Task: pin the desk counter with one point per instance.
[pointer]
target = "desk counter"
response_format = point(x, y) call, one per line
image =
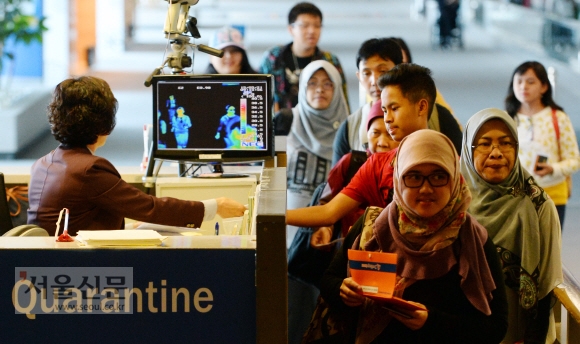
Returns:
point(170, 242)
point(17, 174)
point(214, 289)
point(165, 294)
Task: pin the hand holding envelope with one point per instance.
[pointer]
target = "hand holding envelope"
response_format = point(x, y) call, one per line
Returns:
point(374, 276)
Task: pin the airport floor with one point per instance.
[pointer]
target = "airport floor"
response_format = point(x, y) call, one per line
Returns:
point(470, 79)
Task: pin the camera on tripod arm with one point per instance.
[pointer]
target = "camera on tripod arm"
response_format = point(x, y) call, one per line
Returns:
point(177, 23)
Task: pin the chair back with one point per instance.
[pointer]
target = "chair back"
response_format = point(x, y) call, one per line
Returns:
point(26, 230)
point(5, 218)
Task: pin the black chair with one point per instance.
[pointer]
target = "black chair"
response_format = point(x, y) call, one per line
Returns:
point(5, 219)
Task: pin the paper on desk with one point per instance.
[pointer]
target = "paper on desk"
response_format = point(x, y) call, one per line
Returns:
point(170, 229)
point(137, 237)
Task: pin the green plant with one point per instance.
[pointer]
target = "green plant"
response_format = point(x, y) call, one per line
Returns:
point(16, 24)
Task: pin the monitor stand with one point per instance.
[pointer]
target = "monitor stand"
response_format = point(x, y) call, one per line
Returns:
point(217, 171)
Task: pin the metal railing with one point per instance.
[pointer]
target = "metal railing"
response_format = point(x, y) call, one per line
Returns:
point(568, 293)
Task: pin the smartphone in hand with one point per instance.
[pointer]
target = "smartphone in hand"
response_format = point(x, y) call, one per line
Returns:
point(540, 159)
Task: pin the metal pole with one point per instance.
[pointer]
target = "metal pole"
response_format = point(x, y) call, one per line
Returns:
point(552, 78)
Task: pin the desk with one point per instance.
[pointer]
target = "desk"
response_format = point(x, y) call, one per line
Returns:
point(248, 283)
point(222, 275)
point(130, 174)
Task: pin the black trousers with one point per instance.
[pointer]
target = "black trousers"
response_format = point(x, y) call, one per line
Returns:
point(447, 20)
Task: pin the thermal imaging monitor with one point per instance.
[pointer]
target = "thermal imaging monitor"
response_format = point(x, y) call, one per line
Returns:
point(213, 118)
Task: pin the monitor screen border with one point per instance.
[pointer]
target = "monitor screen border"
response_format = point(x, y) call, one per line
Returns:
point(216, 156)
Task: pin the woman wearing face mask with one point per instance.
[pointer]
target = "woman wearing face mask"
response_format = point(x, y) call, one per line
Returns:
point(520, 219)
point(547, 142)
point(445, 259)
point(235, 59)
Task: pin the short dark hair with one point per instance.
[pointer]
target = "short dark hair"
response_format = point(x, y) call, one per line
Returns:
point(386, 48)
point(512, 104)
point(414, 81)
point(81, 109)
point(303, 8)
point(404, 47)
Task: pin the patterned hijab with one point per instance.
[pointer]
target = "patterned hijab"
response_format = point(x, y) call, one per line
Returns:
point(315, 129)
point(430, 147)
point(508, 210)
point(424, 245)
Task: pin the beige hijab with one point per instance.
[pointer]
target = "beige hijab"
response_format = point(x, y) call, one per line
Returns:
point(425, 246)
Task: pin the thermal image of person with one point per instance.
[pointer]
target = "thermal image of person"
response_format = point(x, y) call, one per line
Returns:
point(180, 127)
point(171, 105)
point(162, 138)
point(227, 127)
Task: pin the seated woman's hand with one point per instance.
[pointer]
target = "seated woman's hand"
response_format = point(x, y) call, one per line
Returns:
point(320, 238)
point(350, 293)
point(417, 320)
point(227, 207)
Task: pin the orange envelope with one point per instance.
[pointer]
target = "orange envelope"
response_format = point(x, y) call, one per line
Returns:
point(376, 272)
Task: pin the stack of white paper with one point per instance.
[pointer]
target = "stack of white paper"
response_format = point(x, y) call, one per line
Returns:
point(168, 229)
point(137, 237)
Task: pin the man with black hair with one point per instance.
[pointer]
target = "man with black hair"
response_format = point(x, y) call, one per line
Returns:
point(375, 57)
point(286, 62)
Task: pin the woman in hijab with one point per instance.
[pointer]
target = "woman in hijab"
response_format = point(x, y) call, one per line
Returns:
point(520, 218)
point(314, 120)
point(320, 110)
point(445, 260)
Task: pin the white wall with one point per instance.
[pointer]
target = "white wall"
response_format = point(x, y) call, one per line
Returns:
point(55, 46)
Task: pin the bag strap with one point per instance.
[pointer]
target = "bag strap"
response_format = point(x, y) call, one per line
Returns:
point(557, 130)
point(17, 193)
point(357, 159)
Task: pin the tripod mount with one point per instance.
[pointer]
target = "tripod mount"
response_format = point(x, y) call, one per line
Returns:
point(177, 24)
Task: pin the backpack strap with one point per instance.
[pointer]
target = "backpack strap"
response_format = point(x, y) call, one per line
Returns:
point(357, 159)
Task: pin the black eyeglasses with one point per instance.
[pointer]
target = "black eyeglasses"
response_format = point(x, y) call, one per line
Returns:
point(415, 180)
point(487, 147)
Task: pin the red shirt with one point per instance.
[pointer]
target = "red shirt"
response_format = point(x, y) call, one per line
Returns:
point(373, 182)
point(336, 181)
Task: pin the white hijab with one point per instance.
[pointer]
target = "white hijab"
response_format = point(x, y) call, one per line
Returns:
point(316, 129)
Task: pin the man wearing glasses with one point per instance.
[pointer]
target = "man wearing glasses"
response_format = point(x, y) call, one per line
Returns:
point(286, 62)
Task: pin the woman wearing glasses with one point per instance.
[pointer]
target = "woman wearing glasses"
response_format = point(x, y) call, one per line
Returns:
point(445, 259)
point(311, 126)
point(520, 218)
